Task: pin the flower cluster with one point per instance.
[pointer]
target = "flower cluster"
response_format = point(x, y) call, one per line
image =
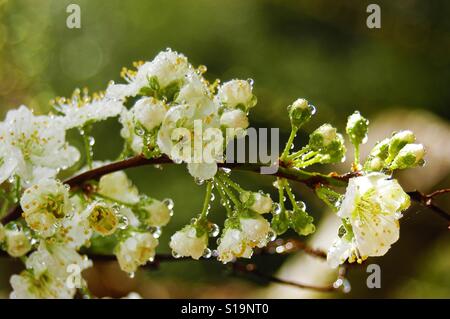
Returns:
point(177, 112)
point(169, 110)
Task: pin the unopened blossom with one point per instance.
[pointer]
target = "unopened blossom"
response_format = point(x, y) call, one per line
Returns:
point(17, 242)
point(300, 112)
point(33, 147)
point(372, 205)
point(239, 240)
point(357, 128)
point(134, 141)
point(233, 245)
point(119, 187)
point(236, 93)
point(236, 119)
point(156, 213)
point(257, 202)
point(189, 242)
point(135, 251)
point(149, 112)
point(410, 155)
point(398, 141)
point(44, 204)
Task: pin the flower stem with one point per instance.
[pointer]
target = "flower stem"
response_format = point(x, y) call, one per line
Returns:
point(229, 193)
point(289, 143)
point(298, 153)
point(85, 134)
point(224, 199)
point(231, 183)
point(206, 203)
point(281, 192)
point(291, 195)
point(355, 166)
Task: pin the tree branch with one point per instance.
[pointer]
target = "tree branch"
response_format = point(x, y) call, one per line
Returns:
point(309, 179)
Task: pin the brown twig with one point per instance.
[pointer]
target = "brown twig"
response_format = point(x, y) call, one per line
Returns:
point(309, 179)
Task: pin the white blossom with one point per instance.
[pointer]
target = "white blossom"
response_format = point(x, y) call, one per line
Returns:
point(157, 213)
point(257, 202)
point(44, 204)
point(167, 67)
point(233, 93)
point(253, 232)
point(236, 119)
point(117, 186)
point(80, 110)
point(28, 286)
point(149, 112)
point(17, 242)
point(373, 204)
point(189, 243)
point(34, 145)
point(135, 251)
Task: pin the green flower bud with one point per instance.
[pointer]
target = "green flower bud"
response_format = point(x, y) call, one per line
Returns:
point(300, 112)
point(328, 143)
point(280, 222)
point(411, 155)
point(302, 222)
point(357, 128)
point(377, 156)
point(398, 140)
point(257, 202)
point(17, 241)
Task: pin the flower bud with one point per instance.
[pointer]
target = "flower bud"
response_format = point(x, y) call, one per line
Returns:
point(234, 119)
point(397, 141)
point(156, 213)
point(17, 242)
point(236, 94)
point(410, 155)
point(280, 222)
point(300, 112)
point(260, 203)
point(302, 223)
point(190, 241)
point(357, 128)
point(135, 251)
point(103, 218)
point(328, 143)
point(149, 112)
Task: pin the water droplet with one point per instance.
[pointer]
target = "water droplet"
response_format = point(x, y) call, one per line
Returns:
point(131, 275)
point(214, 230)
point(199, 181)
point(313, 109)
point(175, 254)
point(271, 236)
point(226, 170)
point(277, 209)
point(213, 197)
point(250, 81)
point(156, 231)
point(91, 141)
point(301, 205)
point(168, 202)
point(207, 253)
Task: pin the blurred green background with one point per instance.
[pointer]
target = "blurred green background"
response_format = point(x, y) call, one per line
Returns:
point(320, 50)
